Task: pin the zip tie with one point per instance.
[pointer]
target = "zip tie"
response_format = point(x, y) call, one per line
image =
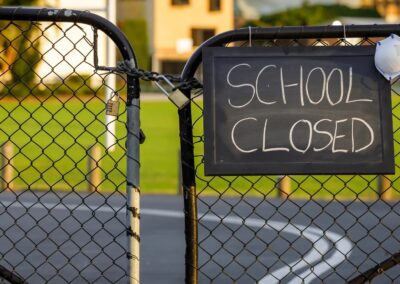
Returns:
point(131, 233)
point(250, 36)
point(131, 256)
point(344, 32)
point(134, 211)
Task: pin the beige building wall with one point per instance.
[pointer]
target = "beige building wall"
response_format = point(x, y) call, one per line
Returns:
point(367, 3)
point(391, 12)
point(172, 25)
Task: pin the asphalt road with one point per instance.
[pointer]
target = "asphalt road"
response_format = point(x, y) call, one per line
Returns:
point(67, 242)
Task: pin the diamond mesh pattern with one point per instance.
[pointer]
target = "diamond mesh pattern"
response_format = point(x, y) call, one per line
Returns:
point(62, 188)
point(328, 228)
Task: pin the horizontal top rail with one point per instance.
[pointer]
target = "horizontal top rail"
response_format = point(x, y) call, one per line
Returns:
point(288, 32)
point(73, 16)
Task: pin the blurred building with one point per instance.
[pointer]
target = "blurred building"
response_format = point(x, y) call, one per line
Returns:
point(164, 32)
point(253, 9)
point(65, 46)
point(389, 9)
point(177, 27)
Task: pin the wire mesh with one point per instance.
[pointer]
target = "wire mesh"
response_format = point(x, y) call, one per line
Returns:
point(62, 186)
point(311, 229)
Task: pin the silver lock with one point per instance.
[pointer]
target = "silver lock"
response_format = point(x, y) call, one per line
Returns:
point(176, 97)
point(112, 106)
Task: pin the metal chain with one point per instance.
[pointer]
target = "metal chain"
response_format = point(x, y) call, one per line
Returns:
point(180, 84)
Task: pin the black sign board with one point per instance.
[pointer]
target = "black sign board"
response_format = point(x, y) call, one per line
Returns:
point(296, 110)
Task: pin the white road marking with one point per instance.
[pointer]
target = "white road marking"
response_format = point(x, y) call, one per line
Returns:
point(60, 206)
point(316, 236)
point(320, 247)
point(343, 247)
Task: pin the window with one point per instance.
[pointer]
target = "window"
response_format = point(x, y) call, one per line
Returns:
point(215, 5)
point(172, 67)
point(180, 2)
point(201, 35)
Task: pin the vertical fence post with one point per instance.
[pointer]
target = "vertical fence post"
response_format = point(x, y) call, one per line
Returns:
point(110, 80)
point(7, 150)
point(94, 156)
point(179, 189)
point(284, 186)
point(385, 190)
point(189, 193)
point(133, 179)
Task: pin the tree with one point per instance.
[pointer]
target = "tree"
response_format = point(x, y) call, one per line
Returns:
point(19, 52)
point(311, 15)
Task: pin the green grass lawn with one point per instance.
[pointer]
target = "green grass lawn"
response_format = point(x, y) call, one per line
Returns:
point(51, 138)
point(160, 152)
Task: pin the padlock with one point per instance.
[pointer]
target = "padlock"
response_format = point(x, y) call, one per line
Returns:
point(113, 106)
point(175, 96)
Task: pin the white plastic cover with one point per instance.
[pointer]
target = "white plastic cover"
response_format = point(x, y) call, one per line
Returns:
point(387, 57)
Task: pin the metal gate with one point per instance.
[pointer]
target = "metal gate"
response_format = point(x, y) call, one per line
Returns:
point(267, 229)
point(69, 173)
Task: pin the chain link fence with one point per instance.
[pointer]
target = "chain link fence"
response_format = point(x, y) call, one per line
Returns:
point(63, 161)
point(289, 229)
point(63, 172)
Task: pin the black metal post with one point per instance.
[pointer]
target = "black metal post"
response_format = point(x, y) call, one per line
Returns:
point(189, 193)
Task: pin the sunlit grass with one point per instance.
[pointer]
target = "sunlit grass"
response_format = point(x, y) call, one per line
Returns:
point(52, 136)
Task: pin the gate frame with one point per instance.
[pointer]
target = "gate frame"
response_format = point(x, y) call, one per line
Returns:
point(132, 108)
point(185, 114)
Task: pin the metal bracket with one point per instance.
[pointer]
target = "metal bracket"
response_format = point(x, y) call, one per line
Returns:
point(134, 211)
point(96, 56)
point(131, 233)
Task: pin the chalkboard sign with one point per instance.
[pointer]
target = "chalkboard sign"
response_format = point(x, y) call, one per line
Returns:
point(296, 110)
